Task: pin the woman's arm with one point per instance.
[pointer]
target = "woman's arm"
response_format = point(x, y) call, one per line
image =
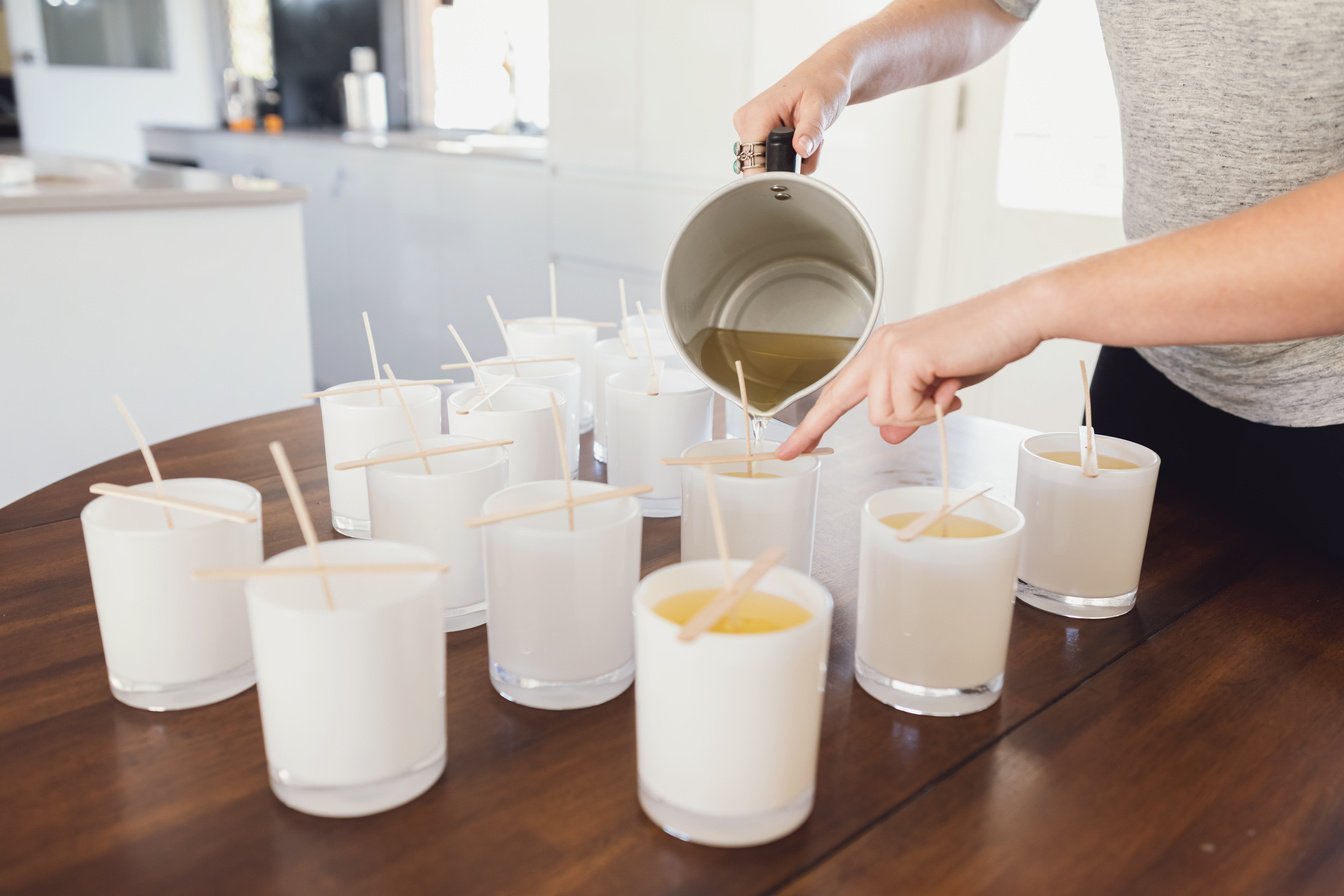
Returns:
point(1269, 273)
point(908, 43)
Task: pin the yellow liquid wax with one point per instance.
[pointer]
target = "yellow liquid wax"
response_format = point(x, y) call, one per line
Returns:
point(954, 526)
point(775, 365)
point(756, 613)
point(743, 474)
point(1075, 459)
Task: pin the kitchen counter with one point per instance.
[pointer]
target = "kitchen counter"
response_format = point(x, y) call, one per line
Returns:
point(170, 143)
point(65, 185)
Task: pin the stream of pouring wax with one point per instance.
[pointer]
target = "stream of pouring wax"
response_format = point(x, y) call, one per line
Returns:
point(776, 366)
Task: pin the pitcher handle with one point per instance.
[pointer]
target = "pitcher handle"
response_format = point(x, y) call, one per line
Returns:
point(779, 152)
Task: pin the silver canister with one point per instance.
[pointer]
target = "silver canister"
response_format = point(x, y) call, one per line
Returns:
point(776, 252)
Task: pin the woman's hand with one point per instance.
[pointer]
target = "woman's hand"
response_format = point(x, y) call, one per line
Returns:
point(808, 99)
point(907, 368)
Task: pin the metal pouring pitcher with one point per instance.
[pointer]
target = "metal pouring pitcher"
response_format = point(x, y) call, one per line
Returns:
point(774, 253)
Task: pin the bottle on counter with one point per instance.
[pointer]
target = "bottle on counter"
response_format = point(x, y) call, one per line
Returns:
point(365, 93)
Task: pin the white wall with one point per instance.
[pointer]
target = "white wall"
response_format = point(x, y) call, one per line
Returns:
point(97, 111)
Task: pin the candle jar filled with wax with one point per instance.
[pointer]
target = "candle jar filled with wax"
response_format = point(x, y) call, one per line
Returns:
point(544, 337)
point(171, 641)
point(610, 357)
point(558, 599)
point(645, 428)
point(1083, 549)
point(429, 508)
point(355, 423)
point(764, 503)
point(519, 413)
point(728, 724)
point(561, 376)
point(934, 612)
point(351, 691)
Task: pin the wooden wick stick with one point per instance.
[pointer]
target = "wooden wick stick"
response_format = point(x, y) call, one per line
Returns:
point(555, 304)
point(920, 524)
point(720, 532)
point(564, 458)
point(373, 355)
point(130, 494)
point(648, 343)
point(713, 459)
point(1088, 444)
point(620, 326)
point(549, 506)
point(495, 362)
point(504, 334)
point(355, 390)
point(412, 455)
point(486, 396)
point(301, 513)
point(410, 421)
point(338, 569)
point(742, 391)
point(146, 454)
point(942, 448)
point(722, 604)
point(471, 362)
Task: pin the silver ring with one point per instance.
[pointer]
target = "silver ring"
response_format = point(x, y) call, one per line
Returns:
point(748, 155)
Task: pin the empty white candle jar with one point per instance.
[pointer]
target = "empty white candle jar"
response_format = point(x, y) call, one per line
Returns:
point(728, 725)
point(558, 601)
point(352, 694)
point(1083, 549)
point(517, 412)
point(645, 428)
point(542, 337)
point(356, 423)
point(779, 510)
point(609, 356)
point(170, 641)
point(561, 376)
point(414, 507)
point(935, 613)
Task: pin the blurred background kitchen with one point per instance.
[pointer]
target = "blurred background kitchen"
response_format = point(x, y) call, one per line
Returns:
point(200, 196)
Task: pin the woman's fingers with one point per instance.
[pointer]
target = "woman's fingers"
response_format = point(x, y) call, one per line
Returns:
point(844, 392)
point(808, 131)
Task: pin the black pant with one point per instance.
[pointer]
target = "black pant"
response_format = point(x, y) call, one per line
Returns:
point(1286, 479)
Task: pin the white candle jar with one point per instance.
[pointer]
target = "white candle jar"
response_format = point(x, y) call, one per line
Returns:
point(517, 412)
point(356, 423)
point(934, 613)
point(728, 725)
point(539, 337)
point(609, 357)
point(1083, 549)
point(561, 376)
point(558, 601)
point(429, 509)
point(170, 641)
point(352, 696)
point(758, 514)
point(646, 428)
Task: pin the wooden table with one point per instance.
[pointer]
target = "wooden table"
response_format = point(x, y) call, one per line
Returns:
point(1194, 745)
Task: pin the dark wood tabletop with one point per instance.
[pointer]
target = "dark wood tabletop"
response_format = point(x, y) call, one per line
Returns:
point(1195, 745)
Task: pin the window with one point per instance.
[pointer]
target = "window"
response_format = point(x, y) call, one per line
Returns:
point(121, 33)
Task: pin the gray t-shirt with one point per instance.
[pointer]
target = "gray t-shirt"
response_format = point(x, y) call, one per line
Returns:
point(1223, 106)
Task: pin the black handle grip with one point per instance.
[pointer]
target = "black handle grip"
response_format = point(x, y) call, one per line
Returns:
point(779, 151)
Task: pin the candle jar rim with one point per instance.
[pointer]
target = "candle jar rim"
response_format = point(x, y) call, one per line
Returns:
point(629, 508)
point(799, 466)
point(415, 393)
point(532, 370)
point(95, 514)
point(489, 458)
point(615, 347)
point(400, 588)
point(934, 496)
point(539, 320)
point(637, 381)
point(1068, 441)
point(459, 398)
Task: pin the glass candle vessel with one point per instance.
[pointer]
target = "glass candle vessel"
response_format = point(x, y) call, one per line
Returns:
point(561, 376)
point(934, 613)
point(558, 601)
point(352, 696)
point(170, 641)
point(540, 337)
point(1083, 548)
point(517, 412)
point(355, 424)
point(609, 357)
point(728, 725)
point(777, 508)
point(428, 509)
point(645, 428)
